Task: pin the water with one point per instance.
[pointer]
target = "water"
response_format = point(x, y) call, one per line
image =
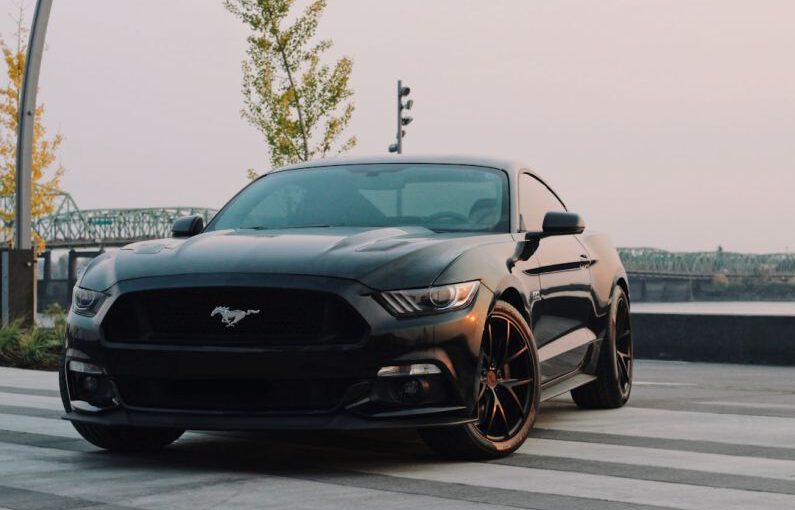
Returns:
point(777, 308)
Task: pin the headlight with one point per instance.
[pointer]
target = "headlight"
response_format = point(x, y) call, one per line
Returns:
point(86, 302)
point(431, 300)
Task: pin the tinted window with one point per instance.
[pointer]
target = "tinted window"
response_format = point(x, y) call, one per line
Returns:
point(535, 200)
point(439, 197)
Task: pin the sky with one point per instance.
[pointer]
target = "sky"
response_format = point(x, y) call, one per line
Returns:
point(665, 123)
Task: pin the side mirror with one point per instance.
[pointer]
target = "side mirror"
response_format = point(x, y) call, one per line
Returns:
point(187, 226)
point(562, 223)
point(555, 224)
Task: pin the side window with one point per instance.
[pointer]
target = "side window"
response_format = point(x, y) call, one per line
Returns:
point(535, 200)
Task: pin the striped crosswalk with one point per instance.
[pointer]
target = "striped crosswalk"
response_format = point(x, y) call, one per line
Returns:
point(685, 442)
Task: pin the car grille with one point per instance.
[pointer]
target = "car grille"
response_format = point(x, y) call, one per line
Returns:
point(183, 317)
point(233, 395)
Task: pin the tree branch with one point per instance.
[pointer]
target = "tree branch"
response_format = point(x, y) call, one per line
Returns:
point(297, 102)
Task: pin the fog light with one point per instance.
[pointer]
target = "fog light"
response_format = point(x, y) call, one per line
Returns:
point(89, 384)
point(414, 369)
point(411, 389)
point(84, 368)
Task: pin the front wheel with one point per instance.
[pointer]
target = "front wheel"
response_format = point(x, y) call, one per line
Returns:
point(508, 393)
point(125, 439)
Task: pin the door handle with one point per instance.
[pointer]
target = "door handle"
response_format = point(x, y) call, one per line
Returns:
point(585, 260)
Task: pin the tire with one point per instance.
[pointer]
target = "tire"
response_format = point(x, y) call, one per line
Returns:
point(613, 383)
point(127, 439)
point(122, 439)
point(508, 395)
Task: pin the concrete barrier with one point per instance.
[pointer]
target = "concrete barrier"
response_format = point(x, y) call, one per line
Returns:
point(752, 339)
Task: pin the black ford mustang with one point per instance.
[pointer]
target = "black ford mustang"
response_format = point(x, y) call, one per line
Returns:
point(449, 295)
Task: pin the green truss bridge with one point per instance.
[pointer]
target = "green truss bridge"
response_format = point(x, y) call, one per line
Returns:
point(70, 227)
point(654, 262)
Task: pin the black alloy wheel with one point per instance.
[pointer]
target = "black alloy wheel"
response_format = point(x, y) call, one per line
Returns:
point(614, 367)
point(624, 348)
point(506, 379)
point(507, 394)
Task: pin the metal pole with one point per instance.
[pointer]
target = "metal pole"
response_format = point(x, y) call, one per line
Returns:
point(27, 118)
point(399, 122)
point(19, 271)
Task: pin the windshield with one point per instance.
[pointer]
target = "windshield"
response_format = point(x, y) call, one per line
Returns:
point(439, 197)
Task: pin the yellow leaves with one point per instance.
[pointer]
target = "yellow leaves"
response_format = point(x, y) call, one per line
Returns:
point(15, 63)
point(45, 175)
point(316, 7)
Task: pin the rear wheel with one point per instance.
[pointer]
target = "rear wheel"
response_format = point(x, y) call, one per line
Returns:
point(508, 393)
point(126, 439)
point(613, 382)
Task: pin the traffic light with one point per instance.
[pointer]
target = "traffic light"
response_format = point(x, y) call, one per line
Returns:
point(402, 93)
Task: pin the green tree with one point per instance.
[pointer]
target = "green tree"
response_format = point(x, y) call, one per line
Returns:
point(46, 173)
point(300, 105)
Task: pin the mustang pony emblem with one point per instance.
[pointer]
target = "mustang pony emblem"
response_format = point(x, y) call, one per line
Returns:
point(231, 317)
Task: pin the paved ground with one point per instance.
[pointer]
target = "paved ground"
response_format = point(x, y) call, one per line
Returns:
point(695, 436)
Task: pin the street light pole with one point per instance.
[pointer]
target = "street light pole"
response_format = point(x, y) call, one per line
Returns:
point(27, 119)
point(19, 271)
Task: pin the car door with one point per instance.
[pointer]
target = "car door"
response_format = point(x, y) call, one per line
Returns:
point(562, 313)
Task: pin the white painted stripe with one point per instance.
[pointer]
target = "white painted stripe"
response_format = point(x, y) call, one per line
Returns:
point(706, 462)
point(34, 401)
point(659, 383)
point(627, 490)
point(770, 431)
point(276, 492)
point(749, 405)
point(51, 427)
point(28, 379)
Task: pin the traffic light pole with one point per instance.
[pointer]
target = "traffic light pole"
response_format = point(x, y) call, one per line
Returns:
point(401, 120)
point(399, 117)
point(19, 265)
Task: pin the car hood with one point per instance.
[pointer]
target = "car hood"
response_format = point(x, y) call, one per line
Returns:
point(381, 258)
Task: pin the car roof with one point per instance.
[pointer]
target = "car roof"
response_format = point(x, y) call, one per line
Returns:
point(504, 164)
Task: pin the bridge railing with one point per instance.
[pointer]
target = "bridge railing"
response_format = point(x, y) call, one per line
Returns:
point(112, 227)
point(655, 261)
point(71, 227)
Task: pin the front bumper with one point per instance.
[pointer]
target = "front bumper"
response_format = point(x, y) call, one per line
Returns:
point(450, 341)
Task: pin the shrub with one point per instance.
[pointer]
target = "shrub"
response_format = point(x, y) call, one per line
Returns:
point(34, 347)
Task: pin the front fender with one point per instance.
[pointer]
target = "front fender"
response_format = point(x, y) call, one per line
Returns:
point(496, 266)
point(487, 262)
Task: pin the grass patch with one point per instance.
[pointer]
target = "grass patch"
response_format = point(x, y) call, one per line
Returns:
point(35, 347)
